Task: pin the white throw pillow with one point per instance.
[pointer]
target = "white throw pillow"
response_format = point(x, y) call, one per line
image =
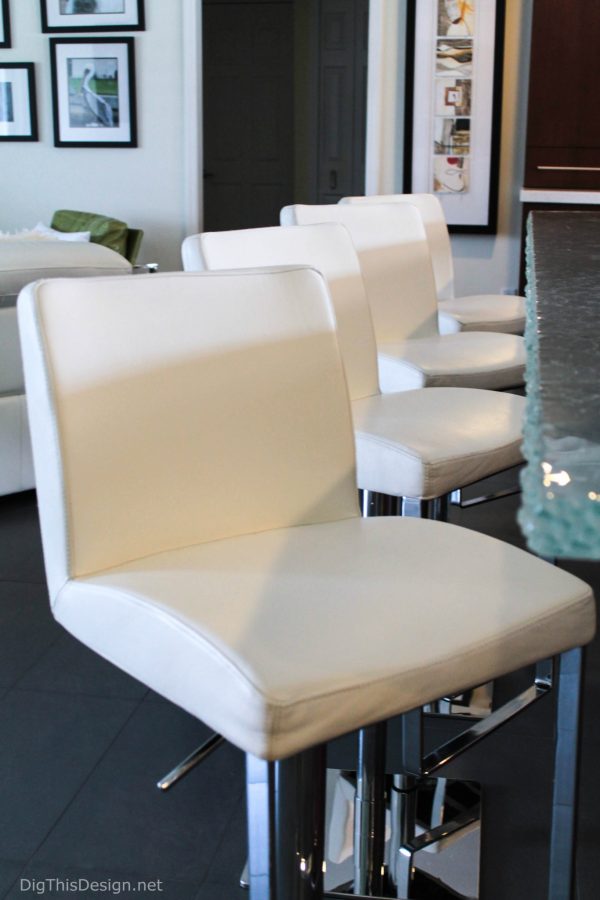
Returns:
point(44, 230)
point(26, 235)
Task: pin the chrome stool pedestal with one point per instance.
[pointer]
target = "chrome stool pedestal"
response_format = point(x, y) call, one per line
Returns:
point(286, 826)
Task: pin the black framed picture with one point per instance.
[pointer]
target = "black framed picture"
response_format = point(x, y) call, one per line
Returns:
point(93, 92)
point(4, 24)
point(453, 107)
point(92, 15)
point(18, 116)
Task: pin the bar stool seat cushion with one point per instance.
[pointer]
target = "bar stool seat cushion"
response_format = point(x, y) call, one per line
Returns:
point(240, 632)
point(496, 361)
point(487, 312)
point(426, 443)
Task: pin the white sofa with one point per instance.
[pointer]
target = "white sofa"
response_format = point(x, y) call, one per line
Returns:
point(22, 261)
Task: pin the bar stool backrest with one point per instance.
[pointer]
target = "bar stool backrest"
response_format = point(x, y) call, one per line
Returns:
point(327, 247)
point(395, 261)
point(434, 220)
point(189, 429)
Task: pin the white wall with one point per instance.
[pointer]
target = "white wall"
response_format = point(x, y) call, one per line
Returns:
point(143, 186)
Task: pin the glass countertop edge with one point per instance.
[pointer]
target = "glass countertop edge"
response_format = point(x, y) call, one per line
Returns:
point(555, 521)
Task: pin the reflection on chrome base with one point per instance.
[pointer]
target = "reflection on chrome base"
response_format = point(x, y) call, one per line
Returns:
point(431, 862)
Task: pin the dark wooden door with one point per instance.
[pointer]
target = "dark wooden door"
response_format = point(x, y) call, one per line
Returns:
point(563, 128)
point(343, 37)
point(284, 106)
point(248, 112)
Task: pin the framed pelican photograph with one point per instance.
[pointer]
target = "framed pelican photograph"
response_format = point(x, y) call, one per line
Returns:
point(92, 15)
point(453, 100)
point(93, 92)
point(4, 24)
point(18, 117)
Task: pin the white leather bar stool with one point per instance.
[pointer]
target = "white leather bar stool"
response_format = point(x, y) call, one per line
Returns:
point(396, 265)
point(474, 312)
point(194, 459)
point(417, 445)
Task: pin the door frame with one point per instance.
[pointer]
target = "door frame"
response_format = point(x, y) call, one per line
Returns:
point(385, 113)
point(385, 96)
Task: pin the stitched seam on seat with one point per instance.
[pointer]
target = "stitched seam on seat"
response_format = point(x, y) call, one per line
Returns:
point(401, 450)
point(472, 377)
point(390, 445)
point(464, 315)
point(441, 663)
point(476, 372)
point(511, 298)
point(171, 617)
point(202, 639)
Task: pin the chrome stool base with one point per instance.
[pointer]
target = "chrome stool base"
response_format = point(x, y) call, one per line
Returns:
point(286, 826)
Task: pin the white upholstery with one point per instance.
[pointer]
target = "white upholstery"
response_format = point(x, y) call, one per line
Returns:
point(212, 547)
point(288, 638)
point(413, 444)
point(478, 312)
point(25, 261)
point(212, 463)
point(486, 312)
point(426, 443)
point(396, 265)
point(395, 262)
point(327, 248)
point(22, 261)
point(472, 359)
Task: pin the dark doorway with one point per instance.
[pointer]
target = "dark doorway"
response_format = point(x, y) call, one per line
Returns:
point(248, 104)
point(284, 106)
point(342, 67)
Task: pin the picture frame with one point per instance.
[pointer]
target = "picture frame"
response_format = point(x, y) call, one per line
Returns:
point(92, 15)
point(453, 108)
point(93, 92)
point(4, 25)
point(18, 112)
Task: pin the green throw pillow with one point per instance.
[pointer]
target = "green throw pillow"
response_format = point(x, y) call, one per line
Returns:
point(110, 232)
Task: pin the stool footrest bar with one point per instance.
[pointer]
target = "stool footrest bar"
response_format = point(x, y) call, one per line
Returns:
point(190, 762)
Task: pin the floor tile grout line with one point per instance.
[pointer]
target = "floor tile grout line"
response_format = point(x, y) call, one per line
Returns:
point(234, 812)
point(61, 634)
point(11, 884)
point(22, 581)
point(80, 788)
point(46, 650)
point(89, 694)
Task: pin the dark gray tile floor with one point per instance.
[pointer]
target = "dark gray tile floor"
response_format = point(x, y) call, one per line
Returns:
point(82, 746)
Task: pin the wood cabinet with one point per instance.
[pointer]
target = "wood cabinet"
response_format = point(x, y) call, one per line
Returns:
point(563, 127)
